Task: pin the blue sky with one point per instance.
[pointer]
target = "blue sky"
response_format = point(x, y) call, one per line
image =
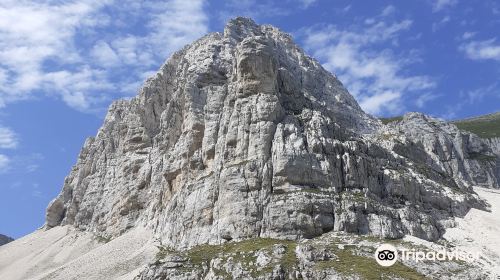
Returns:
point(63, 62)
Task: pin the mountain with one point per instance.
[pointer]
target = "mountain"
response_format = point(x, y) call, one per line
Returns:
point(4, 239)
point(244, 158)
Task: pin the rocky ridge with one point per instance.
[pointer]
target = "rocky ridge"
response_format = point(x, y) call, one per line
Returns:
point(4, 239)
point(463, 156)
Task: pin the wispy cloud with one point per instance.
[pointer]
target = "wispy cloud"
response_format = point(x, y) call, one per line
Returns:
point(438, 5)
point(4, 163)
point(475, 96)
point(372, 73)
point(482, 50)
point(8, 139)
point(307, 3)
point(471, 98)
point(467, 35)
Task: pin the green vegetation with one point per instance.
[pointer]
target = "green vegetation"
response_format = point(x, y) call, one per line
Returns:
point(487, 126)
point(244, 253)
point(102, 239)
point(163, 251)
point(482, 157)
point(304, 190)
point(351, 260)
point(349, 263)
point(393, 119)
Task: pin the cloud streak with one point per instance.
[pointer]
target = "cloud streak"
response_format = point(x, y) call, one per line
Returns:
point(4, 163)
point(374, 75)
point(438, 5)
point(482, 50)
point(8, 139)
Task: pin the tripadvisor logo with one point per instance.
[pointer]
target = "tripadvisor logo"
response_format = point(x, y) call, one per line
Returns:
point(387, 255)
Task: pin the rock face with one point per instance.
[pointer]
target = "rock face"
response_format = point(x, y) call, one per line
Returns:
point(468, 159)
point(494, 143)
point(242, 135)
point(4, 239)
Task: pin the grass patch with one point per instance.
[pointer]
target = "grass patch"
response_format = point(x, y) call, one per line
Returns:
point(349, 263)
point(485, 126)
point(163, 251)
point(393, 119)
point(243, 252)
point(103, 239)
point(482, 157)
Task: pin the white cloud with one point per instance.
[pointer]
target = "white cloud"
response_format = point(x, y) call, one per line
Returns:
point(475, 96)
point(471, 98)
point(307, 3)
point(441, 23)
point(438, 5)
point(467, 35)
point(423, 98)
point(8, 139)
point(388, 10)
point(81, 52)
point(371, 73)
point(482, 50)
point(105, 55)
point(4, 163)
point(43, 34)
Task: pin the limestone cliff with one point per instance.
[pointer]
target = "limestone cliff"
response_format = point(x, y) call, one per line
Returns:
point(242, 135)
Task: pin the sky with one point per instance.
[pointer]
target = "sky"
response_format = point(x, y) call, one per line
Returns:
point(63, 62)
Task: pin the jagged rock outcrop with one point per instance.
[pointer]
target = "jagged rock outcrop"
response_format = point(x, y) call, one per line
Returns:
point(494, 143)
point(460, 155)
point(242, 135)
point(4, 239)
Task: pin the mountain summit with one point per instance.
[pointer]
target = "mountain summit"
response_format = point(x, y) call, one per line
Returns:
point(241, 135)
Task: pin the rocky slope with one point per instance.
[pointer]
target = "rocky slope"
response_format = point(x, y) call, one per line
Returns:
point(240, 136)
point(465, 157)
point(486, 127)
point(4, 239)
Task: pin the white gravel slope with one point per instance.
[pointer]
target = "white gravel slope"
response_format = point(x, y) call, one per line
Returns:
point(65, 253)
point(479, 231)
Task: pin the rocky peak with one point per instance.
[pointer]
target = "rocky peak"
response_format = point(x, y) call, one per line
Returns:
point(4, 239)
point(242, 135)
point(240, 28)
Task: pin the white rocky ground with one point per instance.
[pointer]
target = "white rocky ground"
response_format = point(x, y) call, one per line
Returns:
point(476, 233)
point(65, 253)
point(479, 231)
